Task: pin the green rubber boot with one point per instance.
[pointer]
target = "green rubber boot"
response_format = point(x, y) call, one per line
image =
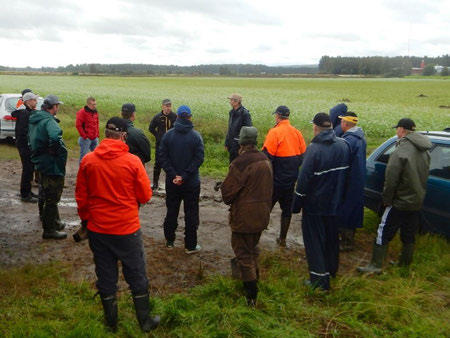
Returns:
point(376, 263)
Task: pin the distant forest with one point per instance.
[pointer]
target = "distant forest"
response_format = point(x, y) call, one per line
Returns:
point(370, 65)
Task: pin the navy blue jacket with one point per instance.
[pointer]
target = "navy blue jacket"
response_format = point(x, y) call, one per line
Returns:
point(351, 213)
point(340, 109)
point(323, 177)
point(182, 152)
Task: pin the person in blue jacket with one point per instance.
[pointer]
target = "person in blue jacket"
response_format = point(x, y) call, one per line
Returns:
point(321, 187)
point(351, 212)
point(182, 153)
point(335, 112)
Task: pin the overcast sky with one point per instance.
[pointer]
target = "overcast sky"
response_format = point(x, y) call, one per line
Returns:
point(277, 32)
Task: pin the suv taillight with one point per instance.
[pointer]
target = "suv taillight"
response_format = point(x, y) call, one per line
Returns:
point(9, 118)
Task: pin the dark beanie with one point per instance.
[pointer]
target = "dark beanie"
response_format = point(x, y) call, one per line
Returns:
point(248, 135)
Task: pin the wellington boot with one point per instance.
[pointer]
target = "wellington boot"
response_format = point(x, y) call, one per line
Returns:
point(251, 289)
point(235, 270)
point(155, 185)
point(55, 234)
point(284, 227)
point(347, 239)
point(142, 307)
point(376, 263)
point(109, 303)
point(406, 255)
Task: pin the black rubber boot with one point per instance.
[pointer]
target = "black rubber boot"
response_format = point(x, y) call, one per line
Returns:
point(59, 225)
point(376, 263)
point(347, 239)
point(142, 307)
point(156, 174)
point(109, 303)
point(252, 292)
point(407, 254)
point(49, 225)
point(284, 227)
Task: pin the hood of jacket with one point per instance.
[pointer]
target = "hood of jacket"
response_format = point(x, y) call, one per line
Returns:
point(40, 115)
point(420, 141)
point(109, 149)
point(340, 109)
point(183, 125)
point(356, 131)
point(326, 136)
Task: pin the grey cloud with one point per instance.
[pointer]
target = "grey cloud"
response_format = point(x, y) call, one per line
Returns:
point(217, 50)
point(413, 11)
point(344, 36)
point(263, 48)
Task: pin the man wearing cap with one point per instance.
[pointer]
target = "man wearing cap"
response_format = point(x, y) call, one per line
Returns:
point(87, 126)
point(321, 186)
point(159, 125)
point(111, 183)
point(19, 104)
point(284, 146)
point(22, 117)
point(49, 155)
point(136, 140)
point(403, 194)
point(182, 153)
point(248, 189)
point(239, 116)
point(351, 212)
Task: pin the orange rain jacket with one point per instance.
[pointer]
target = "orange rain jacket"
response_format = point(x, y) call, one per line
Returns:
point(284, 146)
point(110, 184)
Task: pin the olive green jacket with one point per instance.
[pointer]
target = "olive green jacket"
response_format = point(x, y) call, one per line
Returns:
point(407, 172)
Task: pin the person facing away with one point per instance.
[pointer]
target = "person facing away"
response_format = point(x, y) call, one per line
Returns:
point(404, 190)
point(111, 183)
point(159, 125)
point(22, 117)
point(239, 116)
point(136, 140)
point(321, 187)
point(284, 146)
point(337, 110)
point(248, 189)
point(182, 153)
point(49, 155)
point(87, 126)
point(351, 213)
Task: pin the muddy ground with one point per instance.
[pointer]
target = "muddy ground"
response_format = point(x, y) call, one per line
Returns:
point(169, 271)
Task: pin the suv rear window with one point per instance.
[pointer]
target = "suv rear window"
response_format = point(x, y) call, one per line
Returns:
point(10, 103)
point(440, 162)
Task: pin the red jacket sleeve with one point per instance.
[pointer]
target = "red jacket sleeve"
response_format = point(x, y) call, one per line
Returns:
point(79, 123)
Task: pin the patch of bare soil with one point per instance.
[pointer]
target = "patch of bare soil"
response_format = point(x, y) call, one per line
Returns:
point(168, 270)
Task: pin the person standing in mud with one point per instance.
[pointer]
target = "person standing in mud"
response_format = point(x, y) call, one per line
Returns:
point(111, 183)
point(182, 154)
point(87, 126)
point(49, 155)
point(160, 124)
point(248, 189)
point(22, 117)
point(239, 116)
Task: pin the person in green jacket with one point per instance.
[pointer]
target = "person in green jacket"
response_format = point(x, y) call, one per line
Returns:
point(403, 194)
point(49, 155)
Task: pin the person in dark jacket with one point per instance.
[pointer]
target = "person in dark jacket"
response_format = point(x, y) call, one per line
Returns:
point(340, 109)
point(87, 126)
point(351, 213)
point(404, 190)
point(182, 153)
point(159, 125)
point(49, 155)
point(248, 189)
point(239, 116)
point(321, 187)
point(136, 140)
point(22, 117)
point(284, 146)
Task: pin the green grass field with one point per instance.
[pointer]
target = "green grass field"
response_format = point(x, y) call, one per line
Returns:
point(380, 103)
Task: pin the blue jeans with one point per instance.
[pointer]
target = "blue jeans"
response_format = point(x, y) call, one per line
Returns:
point(86, 145)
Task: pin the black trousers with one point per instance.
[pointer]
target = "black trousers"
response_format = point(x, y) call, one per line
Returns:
point(27, 171)
point(157, 167)
point(190, 196)
point(394, 219)
point(233, 152)
point(321, 239)
point(285, 197)
point(108, 250)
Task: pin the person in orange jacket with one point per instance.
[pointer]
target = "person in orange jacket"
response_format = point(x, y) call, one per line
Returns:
point(111, 183)
point(284, 146)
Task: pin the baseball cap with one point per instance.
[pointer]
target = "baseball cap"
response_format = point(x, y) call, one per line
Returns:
point(235, 96)
point(248, 135)
point(349, 117)
point(29, 96)
point(26, 91)
point(51, 100)
point(282, 111)
point(117, 124)
point(166, 101)
point(322, 120)
point(184, 111)
point(128, 108)
point(406, 123)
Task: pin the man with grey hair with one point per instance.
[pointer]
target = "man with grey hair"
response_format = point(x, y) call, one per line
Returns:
point(239, 116)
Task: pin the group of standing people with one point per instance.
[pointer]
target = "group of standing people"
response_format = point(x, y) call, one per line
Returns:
point(325, 180)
